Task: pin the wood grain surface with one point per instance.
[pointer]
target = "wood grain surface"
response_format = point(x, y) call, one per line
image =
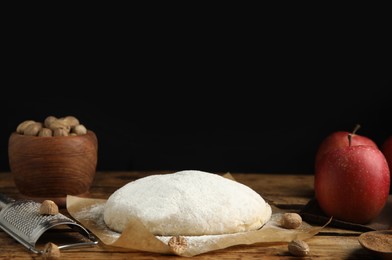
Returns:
point(289, 192)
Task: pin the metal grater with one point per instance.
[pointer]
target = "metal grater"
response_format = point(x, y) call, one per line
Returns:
point(21, 220)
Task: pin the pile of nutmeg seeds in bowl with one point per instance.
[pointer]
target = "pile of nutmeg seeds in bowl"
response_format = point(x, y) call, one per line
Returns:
point(52, 126)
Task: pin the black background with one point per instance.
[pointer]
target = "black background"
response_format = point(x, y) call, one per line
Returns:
point(264, 129)
point(232, 101)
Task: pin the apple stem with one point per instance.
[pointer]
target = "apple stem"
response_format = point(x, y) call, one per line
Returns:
point(356, 128)
point(349, 139)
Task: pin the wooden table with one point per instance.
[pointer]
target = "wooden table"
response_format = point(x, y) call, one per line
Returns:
point(290, 192)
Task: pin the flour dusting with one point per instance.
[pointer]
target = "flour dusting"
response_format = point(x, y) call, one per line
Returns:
point(94, 213)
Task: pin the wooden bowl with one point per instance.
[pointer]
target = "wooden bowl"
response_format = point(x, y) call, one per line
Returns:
point(378, 242)
point(53, 167)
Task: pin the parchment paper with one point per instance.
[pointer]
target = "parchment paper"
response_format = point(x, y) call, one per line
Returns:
point(89, 212)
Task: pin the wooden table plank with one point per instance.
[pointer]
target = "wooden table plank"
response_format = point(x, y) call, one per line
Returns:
point(287, 191)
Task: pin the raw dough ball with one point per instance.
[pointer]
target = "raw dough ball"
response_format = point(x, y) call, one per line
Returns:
point(188, 203)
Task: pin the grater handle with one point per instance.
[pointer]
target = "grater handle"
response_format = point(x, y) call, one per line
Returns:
point(5, 200)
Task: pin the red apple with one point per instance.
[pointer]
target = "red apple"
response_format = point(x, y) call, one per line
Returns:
point(387, 150)
point(339, 139)
point(352, 183)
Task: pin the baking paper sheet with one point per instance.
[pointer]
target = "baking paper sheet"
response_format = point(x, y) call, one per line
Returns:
point(89, 212)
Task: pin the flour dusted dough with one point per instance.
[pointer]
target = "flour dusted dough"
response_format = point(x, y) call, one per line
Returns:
point(188, 203)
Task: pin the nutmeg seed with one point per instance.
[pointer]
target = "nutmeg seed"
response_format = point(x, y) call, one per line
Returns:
point(178, 244)
point(298, 248)
point(79, 130)
point(48, 207)
point(22, 126)
point(48, 120)
point(71, 121)
point(51, 251)
point(45, 132)
point(52, 126)
point(291, 220)
point(59, 123)
point(60, 132)
point(32, 129)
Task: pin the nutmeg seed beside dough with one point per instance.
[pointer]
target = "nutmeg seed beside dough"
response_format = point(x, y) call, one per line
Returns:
point(178, 244)
point(291, 220)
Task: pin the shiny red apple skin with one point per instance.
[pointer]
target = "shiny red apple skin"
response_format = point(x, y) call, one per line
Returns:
point(340, 139)
point(386, 148)
point(352, 183)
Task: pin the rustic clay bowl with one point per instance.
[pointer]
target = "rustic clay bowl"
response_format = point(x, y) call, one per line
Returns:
point(53, 167)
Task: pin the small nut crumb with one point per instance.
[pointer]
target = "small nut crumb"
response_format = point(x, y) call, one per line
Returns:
point(291, 220)
point(51, 251)
point(178, 244)
point(298, 248)
point(49, 207)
